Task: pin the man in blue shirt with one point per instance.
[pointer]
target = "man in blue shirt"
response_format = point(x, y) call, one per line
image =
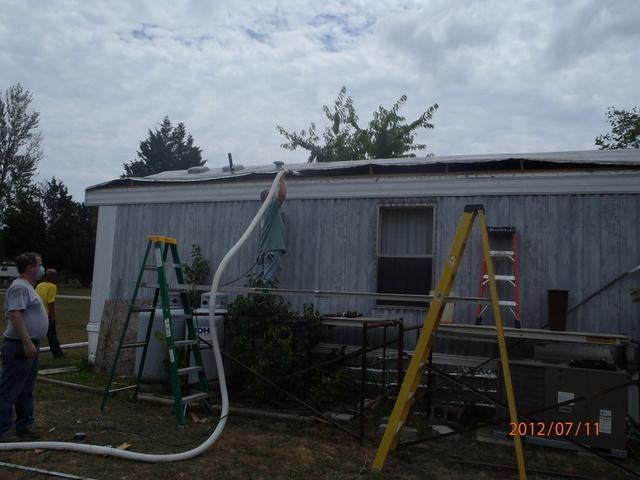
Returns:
point(27, 322)
point(272, 235)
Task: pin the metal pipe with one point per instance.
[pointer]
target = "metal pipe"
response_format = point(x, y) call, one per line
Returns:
point(333, 293)
point(363, 379)
point(146, 397)
point(42, 471)
point(66, 346)
point(430, 384)
point(373, 402)
point(384, 358)
point(400, 354)
point(604, 287)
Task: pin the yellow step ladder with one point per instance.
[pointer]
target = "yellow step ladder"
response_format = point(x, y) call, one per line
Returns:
point(423, 347)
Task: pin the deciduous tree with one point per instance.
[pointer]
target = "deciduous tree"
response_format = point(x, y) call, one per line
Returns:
point(388, 134)
point(625, 129)
point(20, 149)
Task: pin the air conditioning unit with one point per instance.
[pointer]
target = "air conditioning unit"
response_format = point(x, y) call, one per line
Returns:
point(598, 422)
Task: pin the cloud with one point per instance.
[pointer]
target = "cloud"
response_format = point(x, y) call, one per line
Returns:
point(509, 77)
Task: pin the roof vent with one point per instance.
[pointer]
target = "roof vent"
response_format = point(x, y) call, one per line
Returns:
point(198, 169)
point(227, 168)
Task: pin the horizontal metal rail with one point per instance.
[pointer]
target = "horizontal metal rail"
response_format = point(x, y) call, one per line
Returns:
point(332, 293)
point(67, 346)
point(537, 334)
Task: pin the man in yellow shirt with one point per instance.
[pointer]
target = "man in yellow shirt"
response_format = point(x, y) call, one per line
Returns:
point(47, 291)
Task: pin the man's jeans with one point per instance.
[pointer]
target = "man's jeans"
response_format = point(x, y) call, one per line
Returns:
point(52, 337)
point(269, 265)
point(16, 387)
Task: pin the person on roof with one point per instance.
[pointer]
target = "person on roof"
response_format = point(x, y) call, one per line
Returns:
point(271, 245)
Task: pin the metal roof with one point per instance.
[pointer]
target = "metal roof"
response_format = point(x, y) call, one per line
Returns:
point(458, 164)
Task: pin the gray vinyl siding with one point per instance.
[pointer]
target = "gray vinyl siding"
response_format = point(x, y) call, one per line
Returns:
point(572, 242)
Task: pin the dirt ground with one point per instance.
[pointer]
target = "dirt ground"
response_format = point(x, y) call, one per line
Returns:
point(251, 448)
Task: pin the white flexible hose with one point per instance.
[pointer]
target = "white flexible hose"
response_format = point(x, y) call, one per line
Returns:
point(173, 457)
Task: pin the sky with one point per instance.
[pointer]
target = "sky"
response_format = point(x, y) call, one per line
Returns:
point(509, 76)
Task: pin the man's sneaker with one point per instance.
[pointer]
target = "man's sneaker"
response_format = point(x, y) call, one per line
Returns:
point(28, 434)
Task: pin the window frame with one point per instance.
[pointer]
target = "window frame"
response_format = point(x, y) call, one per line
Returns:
point(399, 205)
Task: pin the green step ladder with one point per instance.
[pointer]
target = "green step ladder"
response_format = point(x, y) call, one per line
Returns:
point(161, 246)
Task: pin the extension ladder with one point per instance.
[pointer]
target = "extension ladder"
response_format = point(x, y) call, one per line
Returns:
point(420, 357)
point(161, 246)
point(511, 278)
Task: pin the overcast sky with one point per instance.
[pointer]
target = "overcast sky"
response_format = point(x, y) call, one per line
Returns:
point(509, 76)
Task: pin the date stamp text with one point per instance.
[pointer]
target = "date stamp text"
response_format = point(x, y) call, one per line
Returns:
point(558, 429)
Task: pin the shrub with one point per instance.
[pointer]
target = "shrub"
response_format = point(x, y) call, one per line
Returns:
point(264, 333)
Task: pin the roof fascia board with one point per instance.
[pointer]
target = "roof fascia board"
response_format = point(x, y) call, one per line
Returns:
point(379, 187)
point(619, 158)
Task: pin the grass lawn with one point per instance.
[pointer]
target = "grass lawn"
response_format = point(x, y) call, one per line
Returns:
point(249, 448)
point(258, 449)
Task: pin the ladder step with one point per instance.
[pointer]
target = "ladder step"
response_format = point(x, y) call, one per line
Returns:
point(188, 370)
point(184, 343)
point(507, 303)
point(157, 285)
point(133, 345)
point(508, 278)
point(150, 267)
point(128, 387)
point(195, 397)
point(502, 253)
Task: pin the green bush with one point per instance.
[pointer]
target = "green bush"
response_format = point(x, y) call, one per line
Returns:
point(196, 273)
point(264, 333)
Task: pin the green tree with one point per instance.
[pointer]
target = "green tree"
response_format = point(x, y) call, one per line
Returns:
point(388, 135)
point(19, 146)
point(85, 242)
point(166, 148)
point(625, 129)
point(24, 225)
point(70, 232)
point(60, 211)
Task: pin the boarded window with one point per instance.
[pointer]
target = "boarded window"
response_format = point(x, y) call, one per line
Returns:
point(405, 251)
